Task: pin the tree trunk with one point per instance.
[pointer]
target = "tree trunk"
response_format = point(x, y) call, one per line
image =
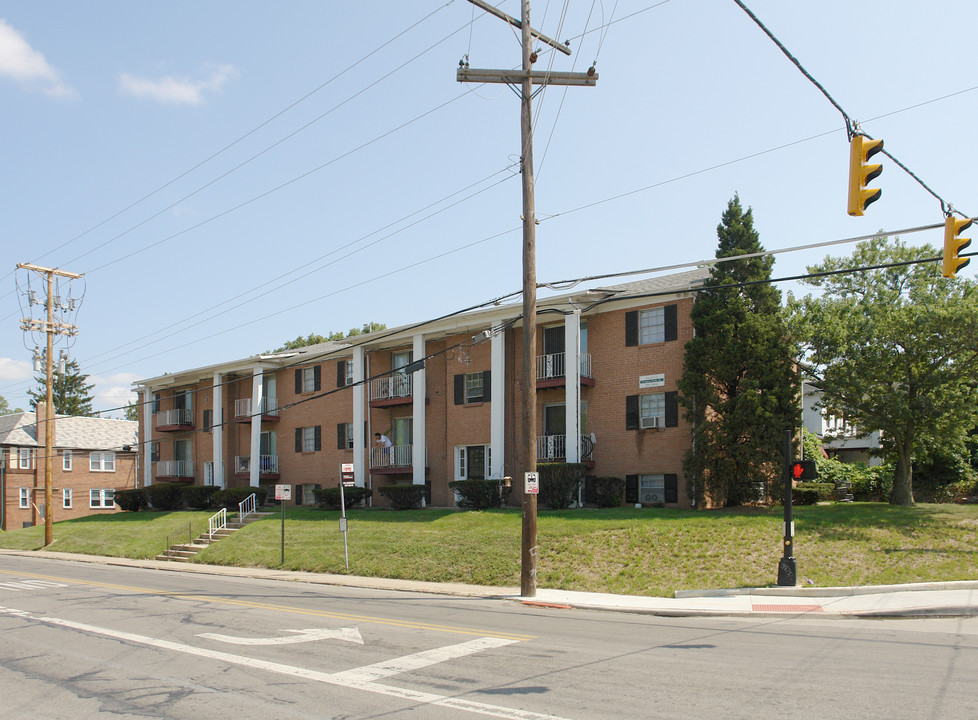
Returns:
point(903, 473)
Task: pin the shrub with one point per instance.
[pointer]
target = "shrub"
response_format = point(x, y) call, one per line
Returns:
point(872, 483)
point(165, 496)
point(329, 498)
point(604, 492)
point(200, 497)
point(404, 497)
point(131, 500)
point(480, 494)
point(560, 484)
point(956, 492)
point(804, 496)
point(823, 491)
point(229, 498)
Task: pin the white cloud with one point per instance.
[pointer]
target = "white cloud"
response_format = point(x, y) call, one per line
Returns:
point(113, 391)
point(18, 60)
point(177, 91)
point(15, 369)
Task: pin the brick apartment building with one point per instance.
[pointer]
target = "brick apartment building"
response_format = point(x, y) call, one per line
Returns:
point(94, 457)
point(608, 362)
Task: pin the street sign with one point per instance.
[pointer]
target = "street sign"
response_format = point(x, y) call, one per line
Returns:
point(531, 483)
point(346, 475)
point(283, 492)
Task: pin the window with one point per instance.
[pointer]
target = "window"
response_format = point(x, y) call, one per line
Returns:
point(208, 472)
point(66, 498)
point(651, 406)
point(24, 457)
point(652, 410)
point(308, 380)
point(652, 489)
point(472, 387)
point(344, 373)
point(102, 462)
point(307, 496)
point(66, 460)
point(154, 452)
point(653, 325)
point(25, 498)
point(344, 436)
point(101, 498)
point(156, 403)
point(208, 420)
point(308, 439)
point(473, 462)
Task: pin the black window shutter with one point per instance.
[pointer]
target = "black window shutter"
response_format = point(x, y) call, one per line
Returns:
point(486, 385)
point(631, 412)
point(319, 437)
point(631, 488)
point(672, 409)
point(669, 315)
point(672, 488)
point(341, 436)
point(298, 495)
point(298, 381)
point(341, 373)
point(631, 328)
point(317, 378)
point(208, 415)
point(460, 389)
point(298, 439)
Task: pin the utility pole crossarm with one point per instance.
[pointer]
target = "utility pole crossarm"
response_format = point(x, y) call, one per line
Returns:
point(538, 77)
point(517, 24)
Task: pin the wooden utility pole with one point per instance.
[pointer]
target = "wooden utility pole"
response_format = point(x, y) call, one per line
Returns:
point(51, 329)
point(528, 380)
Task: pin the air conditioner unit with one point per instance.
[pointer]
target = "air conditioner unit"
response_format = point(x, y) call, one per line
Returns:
point(650, 422)
point(652, 497)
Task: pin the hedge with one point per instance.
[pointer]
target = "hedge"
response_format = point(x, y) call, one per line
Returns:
point(131, 500)
point(165, 496)
point(329, 498)
point(606, 492)
point(560, 483)
point(200, 497)
point(403, 497)
point(480, 494)
point(230, 498)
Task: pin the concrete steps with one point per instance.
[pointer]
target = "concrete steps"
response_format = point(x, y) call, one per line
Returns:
point(184, 552)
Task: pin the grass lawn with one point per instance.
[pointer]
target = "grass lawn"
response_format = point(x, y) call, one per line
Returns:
point(626, 550)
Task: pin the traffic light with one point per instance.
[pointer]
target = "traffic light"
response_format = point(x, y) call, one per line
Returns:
point(953, 245)
point(803, 470)
point(861, 149)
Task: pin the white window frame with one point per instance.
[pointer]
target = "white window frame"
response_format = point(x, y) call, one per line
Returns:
point(66, 498)
point(309, 379)
point(208, 472)
point(474, 382)
point(651, 326)
point(24, 458)
point(309, 439)
point(66, 460)
point(101, 498)
point(101, 461)
point(349, 372)
point(652, 405)
point(348, 435)
point(461, 461)
point(308, 496)
point(653, 482)
point(25, 498)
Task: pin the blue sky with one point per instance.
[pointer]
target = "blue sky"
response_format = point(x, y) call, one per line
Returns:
point(230, 175)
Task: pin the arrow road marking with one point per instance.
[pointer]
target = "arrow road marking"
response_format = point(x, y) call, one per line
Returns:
point(356, 679)
point(348, 634)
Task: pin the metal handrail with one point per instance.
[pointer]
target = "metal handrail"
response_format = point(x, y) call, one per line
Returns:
point(246, 507)
point(190, 538)
point(218, 522)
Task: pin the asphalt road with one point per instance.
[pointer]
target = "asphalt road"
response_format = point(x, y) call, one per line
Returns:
point(82, 640)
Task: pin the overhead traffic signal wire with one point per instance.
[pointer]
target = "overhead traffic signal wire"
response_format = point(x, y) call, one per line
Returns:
point(851, 125)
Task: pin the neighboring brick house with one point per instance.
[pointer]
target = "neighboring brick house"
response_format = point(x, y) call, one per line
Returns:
point(608, 363)
point(94, 457)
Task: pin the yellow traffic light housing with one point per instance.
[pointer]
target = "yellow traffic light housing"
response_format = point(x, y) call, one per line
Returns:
point(861, 149)
point(953, 245)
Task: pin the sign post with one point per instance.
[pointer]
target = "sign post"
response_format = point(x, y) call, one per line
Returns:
point(346, 480)
point(283, 493)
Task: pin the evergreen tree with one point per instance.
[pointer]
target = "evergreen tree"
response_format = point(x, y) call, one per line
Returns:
point(69, 391)
point(739, 385)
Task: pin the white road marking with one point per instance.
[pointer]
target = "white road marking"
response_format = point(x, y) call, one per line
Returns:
point(29, 585)
point(356, 679)
point(348, 634)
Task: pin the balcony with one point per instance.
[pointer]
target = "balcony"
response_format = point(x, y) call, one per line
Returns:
point(174, 470)
point(393, 460)
point(552, 370)
point(267, 467)
point(553, 448)
point(394, 390)
point(174, 420)
point(267, 407)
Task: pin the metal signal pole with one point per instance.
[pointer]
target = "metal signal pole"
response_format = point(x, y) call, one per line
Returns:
point(51, 329)
point(528, 380)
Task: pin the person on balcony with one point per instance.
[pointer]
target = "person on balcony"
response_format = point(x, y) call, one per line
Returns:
point(387, 448)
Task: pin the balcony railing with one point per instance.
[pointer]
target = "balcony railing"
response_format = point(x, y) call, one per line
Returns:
point(391, 388)
point(555, 366)
point(266, 406)
point(398, 456)
point(267, 464)
point(551, 448)
point(175, 468)
point(174, 418)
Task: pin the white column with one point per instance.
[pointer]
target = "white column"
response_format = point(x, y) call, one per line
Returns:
point(572, 373)
point(217, 429)
point(419, 394)
point(148, 439)
point(359, 417)
point(497, 409)
point(254, 463)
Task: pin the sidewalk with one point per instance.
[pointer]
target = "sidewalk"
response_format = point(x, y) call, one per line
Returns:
point(947, 599)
